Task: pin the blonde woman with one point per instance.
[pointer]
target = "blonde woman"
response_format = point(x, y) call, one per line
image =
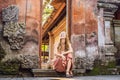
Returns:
point(63, 54)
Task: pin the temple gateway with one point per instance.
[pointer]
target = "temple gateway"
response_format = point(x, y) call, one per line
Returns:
point(29, 31)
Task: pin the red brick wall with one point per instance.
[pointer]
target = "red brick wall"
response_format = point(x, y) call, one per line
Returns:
point(84, 19)
point(84, 29)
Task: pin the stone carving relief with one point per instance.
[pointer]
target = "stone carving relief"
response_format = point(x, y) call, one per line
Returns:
point(79, 45)
point(86, 50)
point(92, 45)
point(13, 30)
point(10, 13)
point(110, 1)
point(29, 61)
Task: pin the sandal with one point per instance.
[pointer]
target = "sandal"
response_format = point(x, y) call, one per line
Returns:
point(71, 74)
point(68, 75)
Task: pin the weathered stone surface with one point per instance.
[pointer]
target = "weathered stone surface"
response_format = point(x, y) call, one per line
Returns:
point(116, 24)
point(13, 30)
point(110, 49)
point(84, 33)
point(2, 53)
point(84, 63)
point(116, 38)
point(109, 58)
point(80, 63)
point(15, 33)
point(109, 8)
point(86, 51)
point(109, 1)
point(29, 61)
point(46, 72)
point(10, 13)
point(80, 71)
point(79, 45)
point(25, 29)
point(107, 5)
point(31, 49)
point(9, 66)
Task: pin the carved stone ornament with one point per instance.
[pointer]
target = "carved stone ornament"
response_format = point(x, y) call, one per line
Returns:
point(15, 33)
point(29, 61)
point(10, 13)
point(13, 30)
point(109, 1)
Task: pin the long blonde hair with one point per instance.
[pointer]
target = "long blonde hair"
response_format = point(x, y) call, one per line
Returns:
point(66, 44)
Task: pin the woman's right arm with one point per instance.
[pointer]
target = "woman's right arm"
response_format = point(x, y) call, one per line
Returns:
point(56, 53)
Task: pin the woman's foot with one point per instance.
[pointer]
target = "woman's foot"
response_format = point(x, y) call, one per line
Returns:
point(71, 73)
point(68, 74)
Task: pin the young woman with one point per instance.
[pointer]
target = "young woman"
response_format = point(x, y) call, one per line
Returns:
point(63, 53)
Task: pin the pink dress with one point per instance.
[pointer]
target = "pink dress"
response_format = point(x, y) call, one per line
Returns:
point(60, 65)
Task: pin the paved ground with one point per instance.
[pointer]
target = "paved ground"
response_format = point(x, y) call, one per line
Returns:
point(115, 77)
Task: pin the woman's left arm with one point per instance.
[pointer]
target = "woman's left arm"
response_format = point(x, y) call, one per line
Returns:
point(69, 51)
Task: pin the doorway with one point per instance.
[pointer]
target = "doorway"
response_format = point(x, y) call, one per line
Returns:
point(53, 22)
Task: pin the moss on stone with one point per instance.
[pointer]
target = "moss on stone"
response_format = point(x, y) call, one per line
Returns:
point(101, 69)
point(111, 64)
point(96, 70)
point(9, 67)
point(2, 53)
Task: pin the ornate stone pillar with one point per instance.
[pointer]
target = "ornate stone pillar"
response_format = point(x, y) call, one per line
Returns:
point(108, 14)
point(101, 33)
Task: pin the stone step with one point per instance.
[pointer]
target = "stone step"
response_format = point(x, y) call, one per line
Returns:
point(117, 25)
point(113, 71)
point(46, 73)
point(53, 73)
point(116, 21)
point(81, 71)
point(118, 67)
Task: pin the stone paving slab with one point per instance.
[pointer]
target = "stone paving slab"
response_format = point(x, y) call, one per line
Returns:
point(110, 77)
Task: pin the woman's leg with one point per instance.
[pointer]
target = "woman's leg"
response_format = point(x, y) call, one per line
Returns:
point(69, 64)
